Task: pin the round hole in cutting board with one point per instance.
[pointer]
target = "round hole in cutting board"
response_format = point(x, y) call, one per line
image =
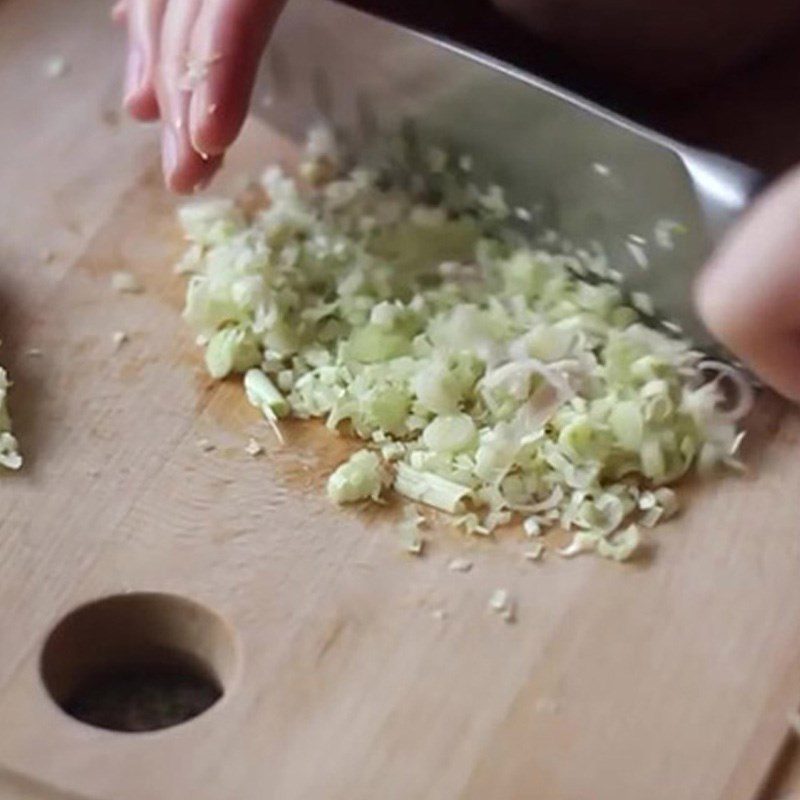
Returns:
point(138, 662)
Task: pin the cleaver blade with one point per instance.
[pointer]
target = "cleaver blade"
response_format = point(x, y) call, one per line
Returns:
point(655, 206)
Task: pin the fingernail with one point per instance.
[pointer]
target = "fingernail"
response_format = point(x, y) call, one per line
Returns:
point(169, 151)
point(134, 73)
point(198, 118)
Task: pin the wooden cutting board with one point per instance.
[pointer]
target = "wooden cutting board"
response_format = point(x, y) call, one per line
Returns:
point(350, 669)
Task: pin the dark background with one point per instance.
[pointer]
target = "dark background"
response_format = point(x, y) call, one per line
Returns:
point(752, 113)
point(478, 24)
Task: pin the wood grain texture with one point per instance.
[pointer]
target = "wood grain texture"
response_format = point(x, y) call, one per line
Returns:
point(668, 678)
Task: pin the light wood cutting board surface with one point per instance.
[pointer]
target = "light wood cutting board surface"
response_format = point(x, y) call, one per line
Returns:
point(667, 678)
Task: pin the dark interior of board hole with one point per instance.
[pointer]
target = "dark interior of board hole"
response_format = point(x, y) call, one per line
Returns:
point(138, 662)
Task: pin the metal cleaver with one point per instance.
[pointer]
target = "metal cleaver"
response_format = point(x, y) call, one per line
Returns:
point(589, 173)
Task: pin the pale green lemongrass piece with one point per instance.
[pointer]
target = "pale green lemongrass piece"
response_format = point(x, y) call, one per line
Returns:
point(9, 452)
point(263, 394)
point(429, 489)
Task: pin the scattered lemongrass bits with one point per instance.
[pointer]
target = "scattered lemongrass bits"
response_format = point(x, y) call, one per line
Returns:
point(56, 67)
point(253, 447)
point(411, 538)
point(9, 451)
point(503, 604)
point(485, 376)
point(125, 282)
point(535, 552)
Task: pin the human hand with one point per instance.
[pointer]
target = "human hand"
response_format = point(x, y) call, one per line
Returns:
point(749, 293)
point(192, 64)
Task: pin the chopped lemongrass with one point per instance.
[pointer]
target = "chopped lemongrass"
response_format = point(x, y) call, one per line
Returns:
point(9, 454)
point(523, 214)
point(638, 253)
point(667, 500)
point(534, 553)
point(665, 230)
point(621, 546)
point(429, 488)
point(459, 565)
point(647, 501)
point(651, 517)
point(411, 539)
point(503, 604)
point(123, 281)
point(532, 527)
point(471, 524)
point(253, 448)
point(392, 451)
point(404, 305)
point(581, 543)
point(119, 338)
point(206, 445)
point(498, 600)
point(359, 478)
point(413, 543)
point(450, 433)
point(547, 705)
point(642, 301)
point(231, 350)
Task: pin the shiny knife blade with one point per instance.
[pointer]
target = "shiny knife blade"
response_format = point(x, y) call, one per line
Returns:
point(587, 172)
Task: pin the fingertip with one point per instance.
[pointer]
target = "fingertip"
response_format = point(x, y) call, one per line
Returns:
point(213, 125)
point(747, 308)
point(140, 95)
point(191, 180)
point(230, 38)
point(186, 171)
point(207, 140)
point(144, 24)
point(142, 104)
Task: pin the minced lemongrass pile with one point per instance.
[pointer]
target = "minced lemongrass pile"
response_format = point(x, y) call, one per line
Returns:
point(487, 377)
point(9, 455)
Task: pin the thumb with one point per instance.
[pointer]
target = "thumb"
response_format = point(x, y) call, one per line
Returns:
point(748, 295)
